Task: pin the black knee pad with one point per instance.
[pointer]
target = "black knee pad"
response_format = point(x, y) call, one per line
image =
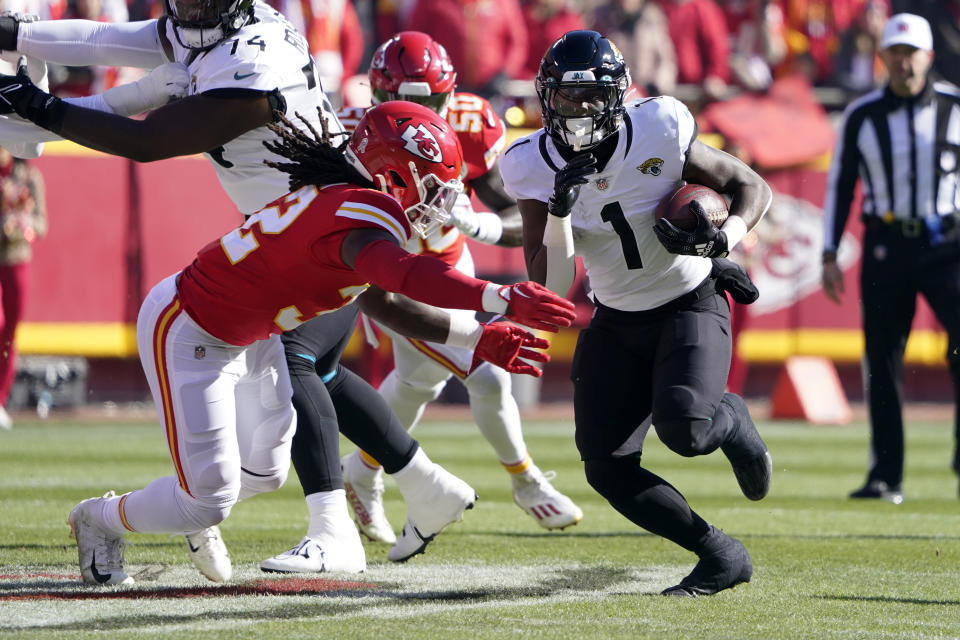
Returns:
point(686, 437)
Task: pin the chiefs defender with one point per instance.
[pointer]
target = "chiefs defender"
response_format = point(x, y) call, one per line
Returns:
point(209, 336)
point(412, 66)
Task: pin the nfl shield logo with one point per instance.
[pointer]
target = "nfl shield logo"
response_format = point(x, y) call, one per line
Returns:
point(199, 352)
point(602, 184)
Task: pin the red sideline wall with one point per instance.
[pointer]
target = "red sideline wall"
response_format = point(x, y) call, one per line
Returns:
point(118, 227)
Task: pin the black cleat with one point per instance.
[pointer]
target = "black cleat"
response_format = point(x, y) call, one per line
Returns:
point(747, 453)
point(879, 490)
point(722, 569)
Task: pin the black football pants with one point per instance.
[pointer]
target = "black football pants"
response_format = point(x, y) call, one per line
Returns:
point(330, 399)
point(894, 270)
point(668, 366)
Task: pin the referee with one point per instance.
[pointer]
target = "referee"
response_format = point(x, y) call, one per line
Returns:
point(902, 141)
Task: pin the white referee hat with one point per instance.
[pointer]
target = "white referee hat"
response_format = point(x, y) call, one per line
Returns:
point(908, 29)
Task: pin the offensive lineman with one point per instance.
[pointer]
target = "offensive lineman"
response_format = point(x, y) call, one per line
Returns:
point(658, 346)
point(207, 335)
point(245, 60)
point(412, 66)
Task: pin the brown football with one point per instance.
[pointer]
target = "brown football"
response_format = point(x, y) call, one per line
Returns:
point(676, 206)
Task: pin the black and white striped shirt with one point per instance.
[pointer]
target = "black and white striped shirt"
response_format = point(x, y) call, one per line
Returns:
point(905, 150)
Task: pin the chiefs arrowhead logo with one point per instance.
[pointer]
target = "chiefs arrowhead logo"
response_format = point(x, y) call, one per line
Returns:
point(421, 142)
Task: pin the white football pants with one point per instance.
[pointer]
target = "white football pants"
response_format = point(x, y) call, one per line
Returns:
point(227, 414)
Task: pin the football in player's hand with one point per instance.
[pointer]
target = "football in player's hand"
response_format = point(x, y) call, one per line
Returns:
point(676, 206)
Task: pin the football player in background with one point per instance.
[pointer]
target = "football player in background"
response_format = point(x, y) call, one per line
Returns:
point(208, 335)
point(658, 345)
point(412, 66)
point(244, 60)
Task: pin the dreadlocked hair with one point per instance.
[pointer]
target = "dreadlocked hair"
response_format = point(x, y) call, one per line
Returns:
point(315, 159)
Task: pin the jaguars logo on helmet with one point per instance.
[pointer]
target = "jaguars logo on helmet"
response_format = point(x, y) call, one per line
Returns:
point(581, 84)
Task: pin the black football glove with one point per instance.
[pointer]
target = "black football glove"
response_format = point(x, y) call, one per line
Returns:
point(706, 240)
point(19, 95)
point(735, 280)
point(566, 184)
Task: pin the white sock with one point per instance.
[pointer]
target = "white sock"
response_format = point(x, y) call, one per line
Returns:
point(324, 507)
point(413, 473)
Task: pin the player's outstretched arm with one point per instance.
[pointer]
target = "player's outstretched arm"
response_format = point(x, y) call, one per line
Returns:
point(165, 83)
point(408, 317)
point(375, 255)
point(498, 343)
point(185, 127)
point(82, 43)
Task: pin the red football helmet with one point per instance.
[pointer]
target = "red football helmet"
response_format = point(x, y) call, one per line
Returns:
point(410, 152)
point(413, 66)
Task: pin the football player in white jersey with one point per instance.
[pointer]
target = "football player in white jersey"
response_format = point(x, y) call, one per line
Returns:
point(413, 66)
point(246, 62)
point(658, 346)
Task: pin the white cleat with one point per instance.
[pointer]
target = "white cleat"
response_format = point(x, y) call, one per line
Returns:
point(100, 552)
point(364, 488)
point(209, 554)
point(6, 422)
point(306, 557)
point(337, 548)
point(436, 499)
point(551, 509)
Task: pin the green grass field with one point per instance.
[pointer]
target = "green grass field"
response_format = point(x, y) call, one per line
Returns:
point(825, 566)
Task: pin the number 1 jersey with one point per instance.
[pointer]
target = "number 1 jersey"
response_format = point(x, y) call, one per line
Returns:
point(627, 267)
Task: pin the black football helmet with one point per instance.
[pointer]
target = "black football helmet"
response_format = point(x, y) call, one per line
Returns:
point(200, 24)
point(581, 85)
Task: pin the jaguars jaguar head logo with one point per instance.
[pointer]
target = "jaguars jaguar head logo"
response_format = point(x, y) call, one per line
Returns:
point(651, 166)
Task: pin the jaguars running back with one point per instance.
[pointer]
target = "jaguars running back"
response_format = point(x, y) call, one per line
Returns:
point(657, 350)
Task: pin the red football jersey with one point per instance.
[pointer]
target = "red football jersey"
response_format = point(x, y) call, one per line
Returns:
point(283, 266)
point(479, 129)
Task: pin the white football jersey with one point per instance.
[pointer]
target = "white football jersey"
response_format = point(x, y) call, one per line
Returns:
point(262, 56)
point(627, 267)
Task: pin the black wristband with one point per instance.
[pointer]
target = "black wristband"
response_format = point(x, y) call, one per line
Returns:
point(9, 27)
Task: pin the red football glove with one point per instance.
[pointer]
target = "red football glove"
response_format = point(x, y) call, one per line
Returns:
point(535, 306)
point(503, 345)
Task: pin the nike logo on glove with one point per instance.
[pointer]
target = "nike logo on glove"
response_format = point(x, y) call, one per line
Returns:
point(238, 76)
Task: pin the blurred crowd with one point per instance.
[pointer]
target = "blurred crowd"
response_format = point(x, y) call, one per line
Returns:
point(716, 48)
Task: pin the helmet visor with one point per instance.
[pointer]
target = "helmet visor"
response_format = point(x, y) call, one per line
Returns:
point(436, 202)
point(582, 101)
point(195, 14)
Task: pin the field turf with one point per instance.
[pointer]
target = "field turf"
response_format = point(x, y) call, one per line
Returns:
point(825, 566)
